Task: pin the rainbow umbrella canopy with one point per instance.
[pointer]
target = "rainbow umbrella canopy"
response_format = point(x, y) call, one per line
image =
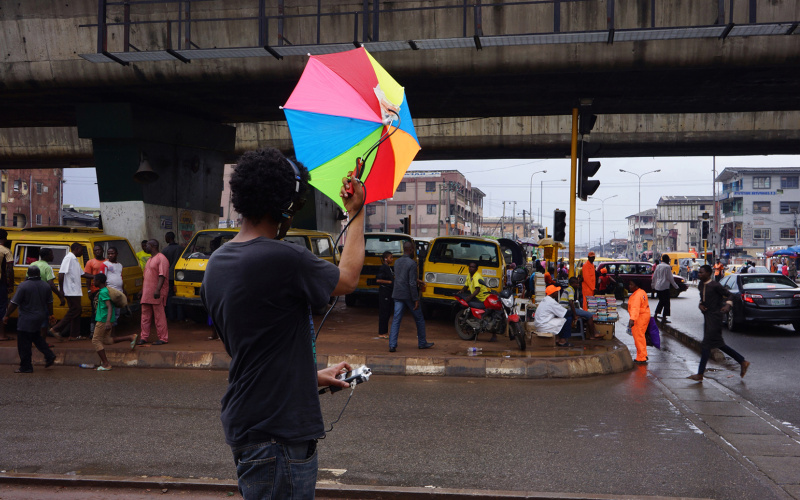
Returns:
point(343, 105)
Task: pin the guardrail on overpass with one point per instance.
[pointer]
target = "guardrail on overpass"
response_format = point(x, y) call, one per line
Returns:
point(185, 30)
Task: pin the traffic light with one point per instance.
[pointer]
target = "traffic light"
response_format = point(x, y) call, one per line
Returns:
point(705, 230)
point(586, 123)
point(586, 169)
point(542, 233)
point(406, 221)
point(559, 225)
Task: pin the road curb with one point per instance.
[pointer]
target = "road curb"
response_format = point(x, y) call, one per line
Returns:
point(616, 360)
point(686, 339)
point(323, 490)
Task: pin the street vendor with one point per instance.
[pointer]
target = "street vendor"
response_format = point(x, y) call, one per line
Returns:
point(552, 318)
point(567, 301)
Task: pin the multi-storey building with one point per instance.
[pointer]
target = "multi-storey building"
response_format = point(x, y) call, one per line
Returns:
point(678, 223)
point(759, 209)
point(640, 232)
point(31, 197)
point(438, 203)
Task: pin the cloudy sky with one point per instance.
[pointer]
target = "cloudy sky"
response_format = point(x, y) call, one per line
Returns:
point(510, 180)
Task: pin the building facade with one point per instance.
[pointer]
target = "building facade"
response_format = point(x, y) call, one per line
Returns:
point(31, 197)
point(678, 222)
point(759, 209)
point(438, 202)
point(640, 232)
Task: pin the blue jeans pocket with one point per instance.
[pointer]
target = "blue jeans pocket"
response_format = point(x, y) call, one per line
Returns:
point(304, 476)
point(256, 477)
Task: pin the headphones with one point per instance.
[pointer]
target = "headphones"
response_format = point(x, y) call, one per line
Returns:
point(294, 205)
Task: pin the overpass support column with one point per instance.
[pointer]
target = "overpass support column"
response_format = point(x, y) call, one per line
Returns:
point(187, 153)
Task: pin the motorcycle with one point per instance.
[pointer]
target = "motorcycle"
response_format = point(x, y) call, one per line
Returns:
point(499, 314)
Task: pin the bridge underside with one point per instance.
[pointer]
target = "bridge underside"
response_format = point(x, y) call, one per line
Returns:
point(634, 135)
point(710, 90)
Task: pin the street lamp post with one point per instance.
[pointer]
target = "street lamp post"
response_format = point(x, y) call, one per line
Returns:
point(530, 195)
point(603, 218)
point(638, 215)
point(541, 196)
point(590, 224)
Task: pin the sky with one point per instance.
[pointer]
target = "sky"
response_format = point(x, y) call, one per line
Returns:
point(511, 180)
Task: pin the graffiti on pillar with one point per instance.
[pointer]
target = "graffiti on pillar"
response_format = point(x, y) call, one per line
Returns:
point(186, 225)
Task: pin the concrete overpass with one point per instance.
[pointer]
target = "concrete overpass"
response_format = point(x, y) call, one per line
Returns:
point(667, 77)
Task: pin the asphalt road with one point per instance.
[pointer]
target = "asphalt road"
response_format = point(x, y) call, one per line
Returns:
point(615, 434)
point(774, 351)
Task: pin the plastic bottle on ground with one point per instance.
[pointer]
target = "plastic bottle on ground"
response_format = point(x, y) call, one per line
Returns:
point(474, 349)
point(87, 365)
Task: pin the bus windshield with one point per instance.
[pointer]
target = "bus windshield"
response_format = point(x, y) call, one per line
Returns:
point(376, 245)
point(204, 244)
point(454, 251)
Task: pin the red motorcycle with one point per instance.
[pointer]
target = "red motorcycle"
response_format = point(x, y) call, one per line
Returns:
point(498, 315)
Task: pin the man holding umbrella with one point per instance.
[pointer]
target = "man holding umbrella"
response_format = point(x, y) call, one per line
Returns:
point(271, 412)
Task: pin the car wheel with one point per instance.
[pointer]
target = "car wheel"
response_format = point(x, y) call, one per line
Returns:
point(350, 300)
point(731, 323)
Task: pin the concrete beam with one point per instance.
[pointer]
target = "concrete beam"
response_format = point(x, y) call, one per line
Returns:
point(688, 134)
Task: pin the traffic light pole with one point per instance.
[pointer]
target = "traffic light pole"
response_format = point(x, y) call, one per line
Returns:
point(572, 191)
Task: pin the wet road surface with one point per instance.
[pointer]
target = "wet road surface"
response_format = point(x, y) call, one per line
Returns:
point(615, 434)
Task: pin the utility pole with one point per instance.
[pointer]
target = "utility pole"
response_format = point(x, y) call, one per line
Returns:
point(514, 222)
point(503, 222)
point(524, 225)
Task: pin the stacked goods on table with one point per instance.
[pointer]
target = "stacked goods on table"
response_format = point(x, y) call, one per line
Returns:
point(604, 311)
point(540, 288)
point(603, 307)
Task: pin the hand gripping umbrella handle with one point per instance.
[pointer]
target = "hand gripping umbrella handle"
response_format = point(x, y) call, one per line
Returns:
point(359, 170)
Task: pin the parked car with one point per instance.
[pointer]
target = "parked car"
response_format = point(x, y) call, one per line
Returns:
point(762, 298)
point(641, 273)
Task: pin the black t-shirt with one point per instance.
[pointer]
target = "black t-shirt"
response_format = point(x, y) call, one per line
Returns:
point(33, 299)
point(386, 273)
point(258, 295)
point(172, 252)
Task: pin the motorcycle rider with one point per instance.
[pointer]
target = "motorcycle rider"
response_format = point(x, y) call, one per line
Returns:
point(478, 292)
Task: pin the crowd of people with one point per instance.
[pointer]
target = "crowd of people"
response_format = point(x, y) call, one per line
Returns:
point(105, 289)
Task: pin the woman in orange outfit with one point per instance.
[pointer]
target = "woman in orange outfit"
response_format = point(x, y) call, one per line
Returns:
point(639, 311)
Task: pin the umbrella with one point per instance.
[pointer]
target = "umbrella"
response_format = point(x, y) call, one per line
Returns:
point(786, 251)
point(344, 108)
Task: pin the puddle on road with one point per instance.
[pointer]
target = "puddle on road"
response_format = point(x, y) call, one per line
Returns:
point(542, 352)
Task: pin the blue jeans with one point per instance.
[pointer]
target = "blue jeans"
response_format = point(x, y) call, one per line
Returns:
point(399, 308)
point(274, 470)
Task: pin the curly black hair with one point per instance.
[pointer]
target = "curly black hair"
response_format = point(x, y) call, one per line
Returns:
point(263, 184)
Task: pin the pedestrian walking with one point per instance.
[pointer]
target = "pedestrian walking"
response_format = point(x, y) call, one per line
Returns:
point(589, 279)
point(792, 269)
point(661, 282)
point(69, 280)
point(47, 276)
point(114, 276)
point(271, 412)
point(695, 266)
point(94, 266)
point(406, 296)
point(719, 270)
point(385, 280)
point(172, 252)
point(6, 278)
point(715, 302)
point(154, 295)
point(35, 302)
point(104, 318)
point(639, 311)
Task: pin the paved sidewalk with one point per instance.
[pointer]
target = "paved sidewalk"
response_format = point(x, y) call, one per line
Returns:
point(349, 335)
point(765, 445)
